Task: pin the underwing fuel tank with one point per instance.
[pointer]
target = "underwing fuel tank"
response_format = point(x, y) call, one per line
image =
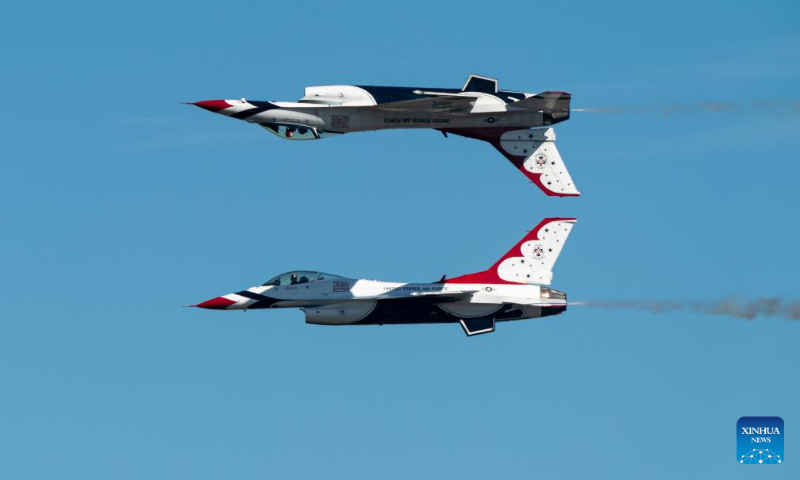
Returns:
point(339, 313)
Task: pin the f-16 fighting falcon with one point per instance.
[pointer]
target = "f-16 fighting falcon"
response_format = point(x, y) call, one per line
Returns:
point(504, 118)
point(514, 288)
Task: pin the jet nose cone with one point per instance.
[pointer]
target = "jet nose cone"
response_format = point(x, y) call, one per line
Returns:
point(219, 303)
point(213, 105)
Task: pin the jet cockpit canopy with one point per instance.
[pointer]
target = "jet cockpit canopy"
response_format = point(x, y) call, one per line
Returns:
point(292, 132)
point(297, 277)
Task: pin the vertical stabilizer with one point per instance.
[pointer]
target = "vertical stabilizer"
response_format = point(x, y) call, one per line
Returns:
point(531, 260)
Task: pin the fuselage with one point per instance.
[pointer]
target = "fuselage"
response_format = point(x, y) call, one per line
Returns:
point(333, 300)
point(332, 119)
point(337, 109)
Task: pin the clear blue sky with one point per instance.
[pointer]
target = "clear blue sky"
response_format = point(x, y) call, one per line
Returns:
point(118, 206)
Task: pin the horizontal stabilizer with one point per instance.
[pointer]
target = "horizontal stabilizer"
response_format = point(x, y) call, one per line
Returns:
point(545, 102)
point(555, 105)
point(477, 326)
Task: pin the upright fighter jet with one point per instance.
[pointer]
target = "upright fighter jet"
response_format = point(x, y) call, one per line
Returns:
point(514, 288)
point(504, 118)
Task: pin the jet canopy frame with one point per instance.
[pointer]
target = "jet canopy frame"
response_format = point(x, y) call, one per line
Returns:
point(298, 277)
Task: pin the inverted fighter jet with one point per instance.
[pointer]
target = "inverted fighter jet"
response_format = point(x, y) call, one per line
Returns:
point(504, 118)
point(514, 288)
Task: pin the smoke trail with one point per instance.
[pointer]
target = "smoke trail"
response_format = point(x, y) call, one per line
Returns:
point(736, 307)
point(766, 107)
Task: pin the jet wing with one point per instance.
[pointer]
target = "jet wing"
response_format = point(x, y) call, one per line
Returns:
point(437, 103)
point(432, 297)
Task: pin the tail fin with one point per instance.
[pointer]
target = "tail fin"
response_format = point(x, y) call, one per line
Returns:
point(531, 260)
point(533, 151)
point(535, 154)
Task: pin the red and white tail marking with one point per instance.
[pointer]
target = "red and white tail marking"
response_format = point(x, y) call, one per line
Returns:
point(538, 158)
point(531, 260)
